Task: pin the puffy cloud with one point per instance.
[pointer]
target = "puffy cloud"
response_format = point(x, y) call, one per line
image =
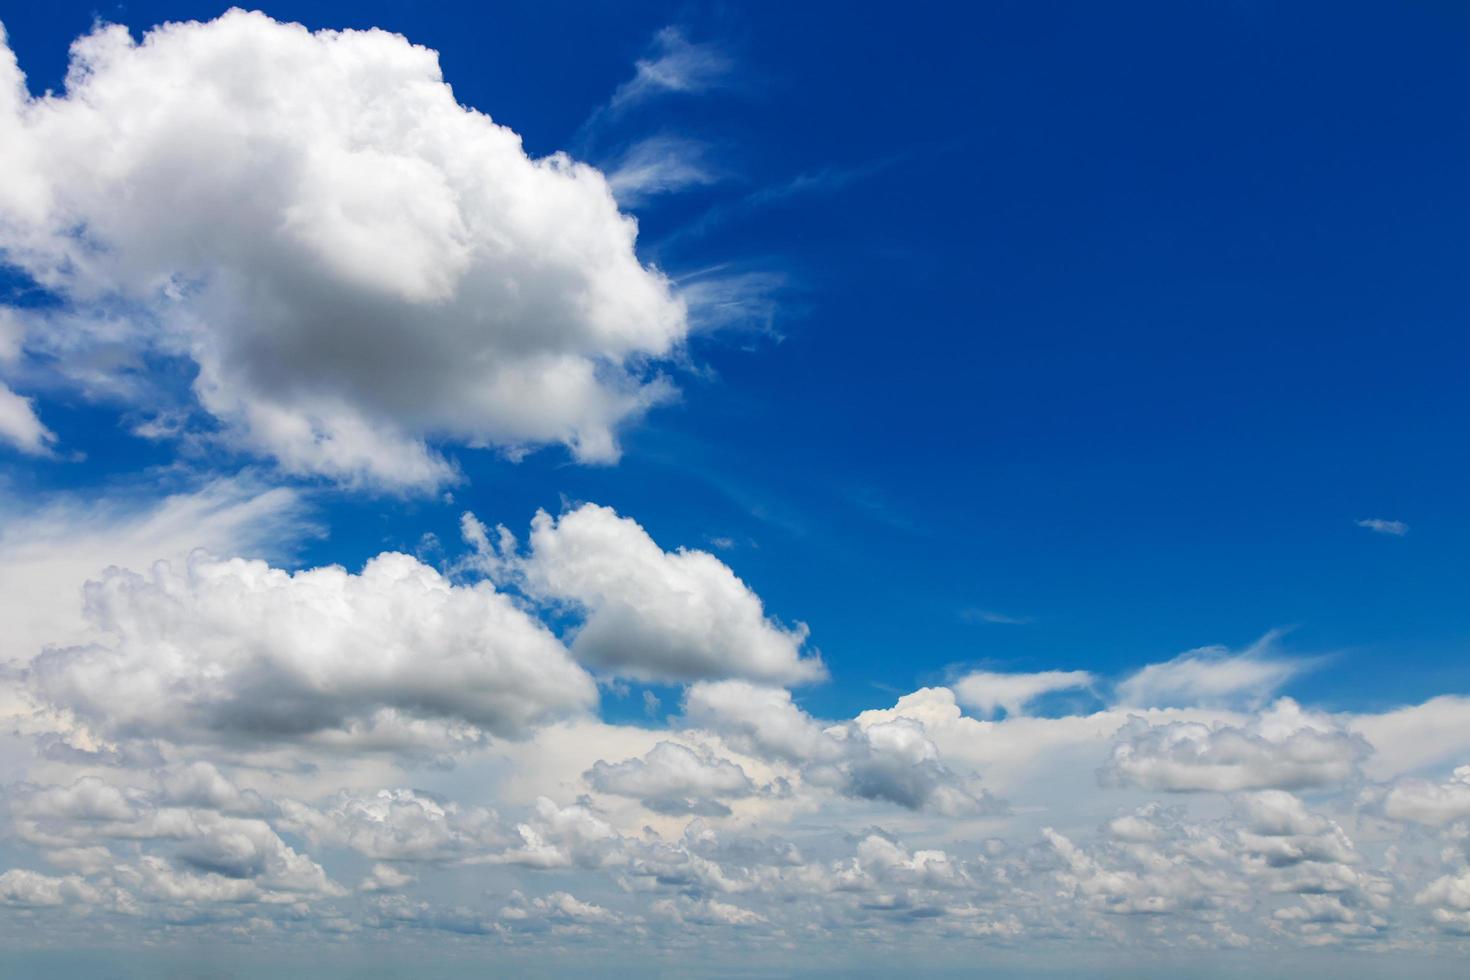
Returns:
point(47, 554)
point(1211, 676)
point(237, 650)
point(1433, 804)
point(20, 888)
point(895, 761)
point(753, 718)
point(654, 614)
point(356, 263)
point(883, 755)
point(1448, 899)
point(207, 856)
point(397, 825)
point(563, 837)
point(556, 909)
point(986, 691)
point(673, 778)
point(1284, 747)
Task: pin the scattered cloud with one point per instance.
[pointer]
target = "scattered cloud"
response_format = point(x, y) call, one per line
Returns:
point(1396, 528)
point(986, 691)
point(1213, 675)
point(655, 615)
point(675, 65)
point(660, 165)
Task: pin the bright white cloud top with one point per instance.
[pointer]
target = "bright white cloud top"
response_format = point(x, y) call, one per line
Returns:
point(355, 262)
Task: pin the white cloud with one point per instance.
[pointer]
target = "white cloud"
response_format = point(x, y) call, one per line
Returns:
point(677, 66)
point(20, 888)
point(659, 165)
point(240, 651)
point(1211, 676)
point(397, 825)
point(986, 691)
point(1396, 528)
point(1429, 803)
point(356, 263)
point(1284, 747)
point(653, 614)
point(48, 553)
point(884, 756)
point(20, 426)
point(756, 719)
point(673, 778)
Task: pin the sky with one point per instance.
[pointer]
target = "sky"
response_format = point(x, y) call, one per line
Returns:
point(733, 489)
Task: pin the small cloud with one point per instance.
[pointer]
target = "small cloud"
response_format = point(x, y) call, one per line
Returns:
point(722, 543)
point(989, 616)
point(1213, 676)
point(677, 66)
point(987, 691)
point(1397, 528)
point(651, 704)
point(659, 165)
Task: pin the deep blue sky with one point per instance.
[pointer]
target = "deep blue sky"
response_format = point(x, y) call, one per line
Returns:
point(1110, 319)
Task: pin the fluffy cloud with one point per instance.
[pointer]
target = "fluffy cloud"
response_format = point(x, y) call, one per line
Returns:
point(654, 614)
point(397, 825)
point(238, 650)
point(1433, 804)
point(673, 778)
point(760, 720)
point(1284, 747)
point(355, 262)
point(884, 756)
point(986, 691)
point(20, 888)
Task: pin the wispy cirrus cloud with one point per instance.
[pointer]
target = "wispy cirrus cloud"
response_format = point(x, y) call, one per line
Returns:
point(675, 65)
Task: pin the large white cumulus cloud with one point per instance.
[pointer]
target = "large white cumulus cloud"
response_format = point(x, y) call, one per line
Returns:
point(355, 262)
point(649, 613)
point(238, 650)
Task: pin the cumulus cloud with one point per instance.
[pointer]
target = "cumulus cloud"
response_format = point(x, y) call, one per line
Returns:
point(396, 825)
point(20, 888)
point(48, 553)
point(1283, 747)
point(986, 691)
point(1432, 804)
point(657, 615)
point(357, 265)
point(1211, 676)
point(760, 720)
point(239, 651)
point(673, 778)
point(884, 756)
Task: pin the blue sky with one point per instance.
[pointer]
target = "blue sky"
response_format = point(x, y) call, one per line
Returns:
point(1014, 340)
